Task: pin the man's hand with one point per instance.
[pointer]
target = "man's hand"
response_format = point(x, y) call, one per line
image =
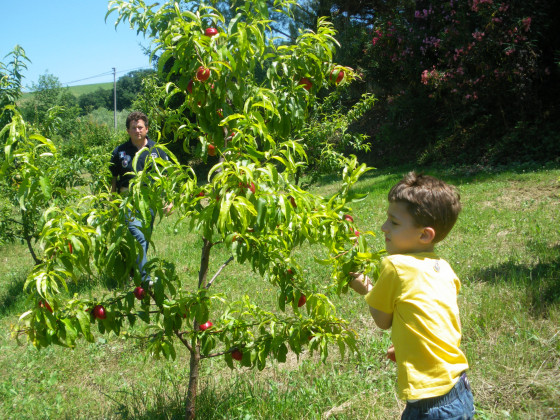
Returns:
point(360, 283)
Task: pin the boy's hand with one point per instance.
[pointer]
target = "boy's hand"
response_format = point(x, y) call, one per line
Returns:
point(360, 283)
point(168, 209)
point(391, 353)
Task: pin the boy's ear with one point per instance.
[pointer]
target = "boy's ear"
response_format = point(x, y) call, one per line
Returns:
point(428, 234)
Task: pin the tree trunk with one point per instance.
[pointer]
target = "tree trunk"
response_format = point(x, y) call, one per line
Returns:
point(193, 382)
point(194, 367)
point(27, 237)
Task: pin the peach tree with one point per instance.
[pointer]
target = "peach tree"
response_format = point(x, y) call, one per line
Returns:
point(245, 97)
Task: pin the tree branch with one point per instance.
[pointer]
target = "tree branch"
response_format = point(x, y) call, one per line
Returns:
point(224, 265)
point(184, 341)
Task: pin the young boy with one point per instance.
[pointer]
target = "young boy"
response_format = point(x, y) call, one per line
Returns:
point(416, 295)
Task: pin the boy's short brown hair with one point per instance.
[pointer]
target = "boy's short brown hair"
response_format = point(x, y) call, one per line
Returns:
point(136, 116)
point(430, 201)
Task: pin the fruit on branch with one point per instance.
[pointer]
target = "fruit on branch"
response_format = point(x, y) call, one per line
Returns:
point(336, 80)
point(99, 312)
point(348, 218)
point(306, 83)
point(202, 74)
point(45, 304)
point(293, 201)
point(301, 301)
point(70, 247)
point(140, 293)
point(205, 326)
point(237, 354)
point(252, 187)
point(210, 32)
point(190, 86)
point(211, 150)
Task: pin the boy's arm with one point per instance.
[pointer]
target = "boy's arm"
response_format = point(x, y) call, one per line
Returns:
point(382, 319)
point(361, 284)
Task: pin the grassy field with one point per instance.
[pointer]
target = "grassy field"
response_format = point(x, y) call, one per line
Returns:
point(77, 91)
point(505, 248)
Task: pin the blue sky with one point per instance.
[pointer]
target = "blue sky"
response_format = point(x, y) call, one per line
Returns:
point(70, 40)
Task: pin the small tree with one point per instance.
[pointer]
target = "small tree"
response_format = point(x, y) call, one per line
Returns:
point(251, 204)
point(31, 180)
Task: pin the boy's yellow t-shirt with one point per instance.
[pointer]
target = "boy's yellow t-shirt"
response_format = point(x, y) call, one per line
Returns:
point(420, 290)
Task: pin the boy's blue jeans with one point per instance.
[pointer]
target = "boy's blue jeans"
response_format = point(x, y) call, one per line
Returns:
point(135, 226)
point(455, 405)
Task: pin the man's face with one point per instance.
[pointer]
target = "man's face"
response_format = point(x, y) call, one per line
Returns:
point(137, 130)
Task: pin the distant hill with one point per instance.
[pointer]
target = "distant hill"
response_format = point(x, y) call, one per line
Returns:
point(77, 91)
point(81, 89)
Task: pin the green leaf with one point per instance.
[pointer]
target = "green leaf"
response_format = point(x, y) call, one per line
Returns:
point(70, 332)
point(85, 325)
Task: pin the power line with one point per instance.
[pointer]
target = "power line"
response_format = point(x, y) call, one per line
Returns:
point(104, 74)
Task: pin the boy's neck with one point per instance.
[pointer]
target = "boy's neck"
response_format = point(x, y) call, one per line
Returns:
point(420, 250)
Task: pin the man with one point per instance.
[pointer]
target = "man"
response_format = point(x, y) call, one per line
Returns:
point(122, 171)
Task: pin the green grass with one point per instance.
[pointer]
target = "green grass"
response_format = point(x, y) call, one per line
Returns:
point(505, 248)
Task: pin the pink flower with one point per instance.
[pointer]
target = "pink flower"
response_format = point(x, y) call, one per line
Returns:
point(425, 77)
point(478, 35)
point(526, 24)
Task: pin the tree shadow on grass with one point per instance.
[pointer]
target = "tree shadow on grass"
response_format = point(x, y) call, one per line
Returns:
point(541, 280)
point(11, 295)
point(138, 404)
point(14, 293)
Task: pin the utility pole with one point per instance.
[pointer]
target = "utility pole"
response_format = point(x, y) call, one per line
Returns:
point(115, 95)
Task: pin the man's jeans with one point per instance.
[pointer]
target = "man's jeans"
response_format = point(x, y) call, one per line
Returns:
point(455, 405)
point(135, 225)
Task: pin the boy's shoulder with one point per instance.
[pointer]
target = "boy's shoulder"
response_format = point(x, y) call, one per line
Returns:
point(418, 262)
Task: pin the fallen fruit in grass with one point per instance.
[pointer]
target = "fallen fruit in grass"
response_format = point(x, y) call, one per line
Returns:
point(99, 312)
point(205, 326)
point(237, 354)
point(140, 293)
point(211, 32)
point(348, 218)
point(306, 83)
point(211, 150)
point(45, 304)
point(202, 74)
point(301, 301)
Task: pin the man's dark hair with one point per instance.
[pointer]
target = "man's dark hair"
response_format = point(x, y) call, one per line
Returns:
point(135, 116)
point(430, 201)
